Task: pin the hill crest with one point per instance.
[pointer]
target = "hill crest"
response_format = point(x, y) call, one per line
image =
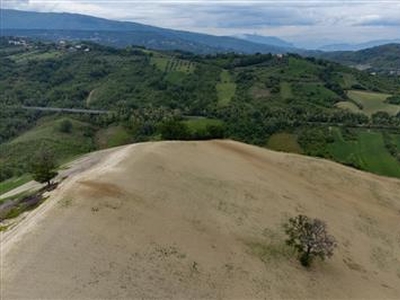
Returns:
point(203, 220)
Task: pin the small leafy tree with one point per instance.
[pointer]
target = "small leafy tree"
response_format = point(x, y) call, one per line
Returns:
point(43, 166)
point(310, 238)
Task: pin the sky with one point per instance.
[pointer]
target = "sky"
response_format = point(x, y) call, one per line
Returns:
point(307, 23)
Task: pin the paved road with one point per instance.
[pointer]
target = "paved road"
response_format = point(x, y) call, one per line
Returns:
point(71, 110)
point(67, 110)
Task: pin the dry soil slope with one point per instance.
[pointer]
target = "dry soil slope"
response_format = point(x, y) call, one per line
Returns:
point(203, 220)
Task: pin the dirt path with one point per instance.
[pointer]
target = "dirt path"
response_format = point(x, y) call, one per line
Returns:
point(31, 185)
point(89, 98)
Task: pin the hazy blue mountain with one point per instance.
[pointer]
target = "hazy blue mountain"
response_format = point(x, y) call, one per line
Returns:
point(58, 26)
point(266, 40)
point(356, 47)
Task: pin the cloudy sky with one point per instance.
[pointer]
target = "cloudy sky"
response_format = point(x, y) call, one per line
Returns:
point(303, 22)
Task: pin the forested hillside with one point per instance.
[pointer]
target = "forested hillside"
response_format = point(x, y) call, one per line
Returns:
point(284, 102)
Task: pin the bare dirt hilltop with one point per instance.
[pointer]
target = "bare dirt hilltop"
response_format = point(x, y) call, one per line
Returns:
point(191, 220)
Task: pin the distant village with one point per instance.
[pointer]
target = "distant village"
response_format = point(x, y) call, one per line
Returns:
point(61, 45)
point(75, 46)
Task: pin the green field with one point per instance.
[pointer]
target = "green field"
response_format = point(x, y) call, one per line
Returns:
point(373, 102)
point(35, 55)
point(175, 77)
point(286, 90)
point(225, 88)
point(299, 68)
point(314, 92)
point(285, 142)
point(259, 91)
point(368, 152)
point(112, 136)
point(19, 152)
point(348, 106)
point(175, 69)
point(345, 80)
point(160, 62)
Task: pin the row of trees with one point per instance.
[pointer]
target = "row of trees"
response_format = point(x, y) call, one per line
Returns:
point(391, 146)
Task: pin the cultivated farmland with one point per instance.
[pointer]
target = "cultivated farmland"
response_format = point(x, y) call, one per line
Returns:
point(372, 102)
point(366, 151)
point(171, 64)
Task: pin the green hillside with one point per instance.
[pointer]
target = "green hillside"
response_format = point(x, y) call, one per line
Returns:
point(226, 88)
point(16, 154)
point(261, 99)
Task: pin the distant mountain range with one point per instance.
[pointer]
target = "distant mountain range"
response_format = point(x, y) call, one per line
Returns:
point(384, 58)
point(266, 40)
point(356, 47)
point(58, 26)
point(67, 26)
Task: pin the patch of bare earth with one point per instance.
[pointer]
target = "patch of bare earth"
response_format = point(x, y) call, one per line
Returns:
point(203, 220)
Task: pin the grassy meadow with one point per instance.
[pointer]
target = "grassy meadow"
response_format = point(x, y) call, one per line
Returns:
point(65, 145)
point(226, 88)
point(286, 90)
point(35, 55)
point(372, 102)
point(366, 150)
point(112, 136)
point(285, 142)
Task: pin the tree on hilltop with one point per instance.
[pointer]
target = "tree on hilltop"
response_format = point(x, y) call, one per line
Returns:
point(43, 166)
point(310, 238)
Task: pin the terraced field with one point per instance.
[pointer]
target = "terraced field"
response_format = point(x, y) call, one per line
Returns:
point(167, 64)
